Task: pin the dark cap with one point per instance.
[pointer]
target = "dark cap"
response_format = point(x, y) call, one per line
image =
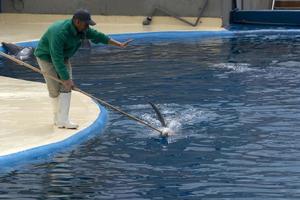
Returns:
point(84, 16)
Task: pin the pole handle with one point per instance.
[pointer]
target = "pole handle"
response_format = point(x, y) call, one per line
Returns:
point(79, 90)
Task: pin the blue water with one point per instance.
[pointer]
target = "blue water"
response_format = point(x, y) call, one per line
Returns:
point(233, 103)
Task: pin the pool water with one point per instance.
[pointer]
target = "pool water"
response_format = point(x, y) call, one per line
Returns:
point(232, 101)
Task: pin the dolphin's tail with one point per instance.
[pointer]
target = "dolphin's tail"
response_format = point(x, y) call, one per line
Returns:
point(10, 48)
point(159, 115)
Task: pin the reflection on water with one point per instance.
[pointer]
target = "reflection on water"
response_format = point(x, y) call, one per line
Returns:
point(234, 106)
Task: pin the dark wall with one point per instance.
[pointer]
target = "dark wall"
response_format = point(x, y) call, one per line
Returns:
point(226, 7)
point(112, 7)
point(189, 8)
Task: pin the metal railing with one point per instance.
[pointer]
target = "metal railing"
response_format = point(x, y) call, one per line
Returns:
point(273, 4)
point(148, 20)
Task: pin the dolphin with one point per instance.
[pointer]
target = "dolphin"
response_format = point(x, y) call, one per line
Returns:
point(166, 131)
point(21, 53)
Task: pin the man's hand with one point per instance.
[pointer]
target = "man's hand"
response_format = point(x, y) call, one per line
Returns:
point(68, 84)
point(124, 44)
point(119, 44)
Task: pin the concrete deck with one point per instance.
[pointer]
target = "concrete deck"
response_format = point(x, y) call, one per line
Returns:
point(26, 116)
point(25, 109)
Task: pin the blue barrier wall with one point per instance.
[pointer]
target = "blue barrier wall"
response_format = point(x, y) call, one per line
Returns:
point(266, 17)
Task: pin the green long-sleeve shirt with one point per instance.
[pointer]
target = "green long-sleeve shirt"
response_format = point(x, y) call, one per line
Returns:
point(61, 41)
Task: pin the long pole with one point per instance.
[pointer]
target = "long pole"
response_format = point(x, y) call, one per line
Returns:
point(79, 90)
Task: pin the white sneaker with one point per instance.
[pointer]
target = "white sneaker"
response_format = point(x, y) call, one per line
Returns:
point(64, 100)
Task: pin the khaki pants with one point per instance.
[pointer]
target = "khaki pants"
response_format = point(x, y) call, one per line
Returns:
point(54, 87)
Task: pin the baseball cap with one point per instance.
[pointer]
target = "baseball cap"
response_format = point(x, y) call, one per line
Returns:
point(84, 16)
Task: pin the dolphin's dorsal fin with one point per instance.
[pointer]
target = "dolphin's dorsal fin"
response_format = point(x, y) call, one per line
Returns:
point(159, 115)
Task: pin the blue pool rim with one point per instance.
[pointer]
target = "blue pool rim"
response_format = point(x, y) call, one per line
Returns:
point(232, 31)
point(99, 124)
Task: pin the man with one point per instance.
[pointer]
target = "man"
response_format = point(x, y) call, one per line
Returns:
point(57, 45)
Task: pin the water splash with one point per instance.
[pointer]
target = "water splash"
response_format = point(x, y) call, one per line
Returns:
point(235, 67)
point(178, 118)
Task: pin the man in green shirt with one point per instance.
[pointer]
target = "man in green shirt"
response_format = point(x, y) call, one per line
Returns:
point(56, 47)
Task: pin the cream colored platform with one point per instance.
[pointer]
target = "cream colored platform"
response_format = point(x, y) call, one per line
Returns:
point(25, 109)
point(24, 27)
point(26, 115)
